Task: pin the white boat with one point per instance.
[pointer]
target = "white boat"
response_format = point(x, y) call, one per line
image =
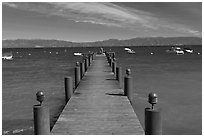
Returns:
point(126, 49)
point(176, 50)
point(7, 56)
point(188, 50)
point(78, 54)
point(131, 51)
point(179, 52)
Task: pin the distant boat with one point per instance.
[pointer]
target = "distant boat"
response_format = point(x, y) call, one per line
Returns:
point(130, 51)
point(176, 50)
point(38, 46)
point(78, 54)
point(179, 52)
point(188, 50)
point(127, 49)
point(7, 56)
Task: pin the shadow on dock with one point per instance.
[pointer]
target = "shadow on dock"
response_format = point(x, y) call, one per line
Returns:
point(110, 79)
point(115, 94)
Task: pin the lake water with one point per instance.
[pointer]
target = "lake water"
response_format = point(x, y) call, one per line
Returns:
point(177, 79)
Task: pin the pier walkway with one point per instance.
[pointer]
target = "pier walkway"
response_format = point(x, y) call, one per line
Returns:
point(98, 106)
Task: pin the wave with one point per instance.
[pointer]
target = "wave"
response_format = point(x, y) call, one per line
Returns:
point(16, 131)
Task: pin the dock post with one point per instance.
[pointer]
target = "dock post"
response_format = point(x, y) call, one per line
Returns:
point(128, 86)
point(108, 58)
point(77, 75)
point(89, 59)
point(68, 83)
point(113, 55)
point(84, 62)
point(153, 118)
point(111, 60)
point(78, 65)
point(119, 75)
point(107, 55)
point(92, 56)
point(87, 63)
point(112, 69)
point(114, 66)
point(108, 61)
point(41, 116)
point(82, 69)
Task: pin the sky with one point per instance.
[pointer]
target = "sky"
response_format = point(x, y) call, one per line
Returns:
point(93, 21)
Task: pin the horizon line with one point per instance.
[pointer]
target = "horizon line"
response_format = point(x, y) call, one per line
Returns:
point(104, 39)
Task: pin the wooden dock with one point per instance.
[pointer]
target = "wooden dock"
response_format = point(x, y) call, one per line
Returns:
point(98, 106)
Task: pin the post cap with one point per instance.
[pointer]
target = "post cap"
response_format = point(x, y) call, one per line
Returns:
point(40, 96)
point(77, 64)
point(152, 98)
point(128, 71)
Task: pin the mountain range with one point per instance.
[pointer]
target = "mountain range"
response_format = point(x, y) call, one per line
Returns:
point(149, 41)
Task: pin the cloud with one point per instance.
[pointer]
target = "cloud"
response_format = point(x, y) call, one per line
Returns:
point(107, 14)
point(10, 4)
point(100, 13)
point(181, 29)
point(96, 13)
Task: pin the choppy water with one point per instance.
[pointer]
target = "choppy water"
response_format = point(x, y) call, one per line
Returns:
point(177, 79)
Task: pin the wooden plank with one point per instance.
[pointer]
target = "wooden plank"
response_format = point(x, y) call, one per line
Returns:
point(98, 106)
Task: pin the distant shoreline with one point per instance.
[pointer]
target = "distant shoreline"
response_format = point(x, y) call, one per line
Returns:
point(149, 41)
point(99, 47)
